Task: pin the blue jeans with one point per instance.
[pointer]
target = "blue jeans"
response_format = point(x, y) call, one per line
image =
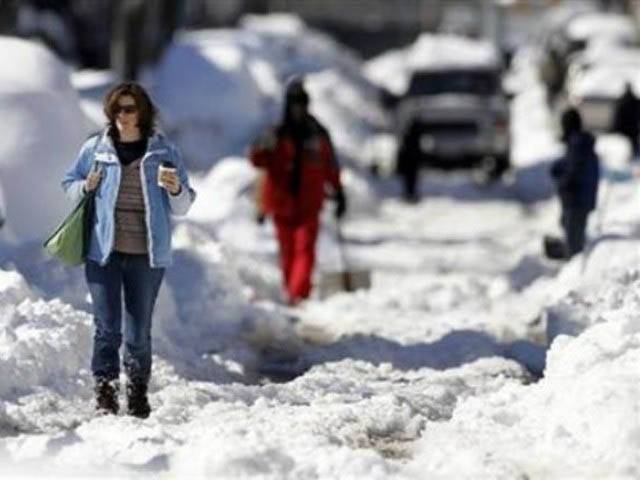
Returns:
point(140, 283)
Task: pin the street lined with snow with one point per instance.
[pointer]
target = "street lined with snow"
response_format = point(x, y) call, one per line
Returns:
point(470, 355)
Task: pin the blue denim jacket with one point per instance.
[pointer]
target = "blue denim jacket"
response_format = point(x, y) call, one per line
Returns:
point(159, 204)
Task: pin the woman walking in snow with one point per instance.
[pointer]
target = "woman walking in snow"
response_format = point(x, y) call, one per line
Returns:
point(140, 181)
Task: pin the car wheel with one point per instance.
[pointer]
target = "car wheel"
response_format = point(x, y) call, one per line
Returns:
point(497, 166)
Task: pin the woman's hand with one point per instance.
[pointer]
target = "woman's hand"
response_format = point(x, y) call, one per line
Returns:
point(92, 181)
point(168, 179)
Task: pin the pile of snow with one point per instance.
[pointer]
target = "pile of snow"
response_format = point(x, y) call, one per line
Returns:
point(221, 190)
point(580, 420)
point(43, 128)
point(393, 69)
point(13, 288)
point(209, 101)
point(92, 86)
point(293, 48)
point(217, 88)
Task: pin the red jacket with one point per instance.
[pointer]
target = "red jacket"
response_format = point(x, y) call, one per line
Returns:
point(318, 170)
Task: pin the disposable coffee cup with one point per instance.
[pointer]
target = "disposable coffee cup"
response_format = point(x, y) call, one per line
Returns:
point(161, 170)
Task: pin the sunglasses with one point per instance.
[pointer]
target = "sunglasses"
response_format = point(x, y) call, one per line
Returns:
point(125, 109)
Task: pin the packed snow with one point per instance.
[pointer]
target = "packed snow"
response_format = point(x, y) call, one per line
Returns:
point(470, 356)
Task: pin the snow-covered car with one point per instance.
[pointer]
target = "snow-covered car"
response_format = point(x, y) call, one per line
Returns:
point(461, 114)
point(573, 32)
point(600, 53)
point(614, 27)
point(595, 92)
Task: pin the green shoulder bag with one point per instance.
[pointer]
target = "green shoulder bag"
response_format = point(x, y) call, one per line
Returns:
point(69, 242)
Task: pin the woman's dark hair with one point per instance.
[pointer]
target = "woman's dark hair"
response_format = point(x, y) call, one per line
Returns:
point(146, 109)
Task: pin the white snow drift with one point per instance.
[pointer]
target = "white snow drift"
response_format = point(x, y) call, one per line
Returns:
point(43, 128)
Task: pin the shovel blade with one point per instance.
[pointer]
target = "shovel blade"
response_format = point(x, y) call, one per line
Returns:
point(554, 247)
point(343, 281)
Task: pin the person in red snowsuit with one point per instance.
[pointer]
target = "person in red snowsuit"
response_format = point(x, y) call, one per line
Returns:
point(300, 169)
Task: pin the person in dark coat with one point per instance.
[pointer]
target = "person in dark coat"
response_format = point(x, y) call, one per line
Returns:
point(299, 166)
point(577, 175)
point(626, 119)
point(408, 161)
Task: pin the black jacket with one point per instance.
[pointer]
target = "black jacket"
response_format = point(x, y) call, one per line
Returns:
point(577, 174)
point(626, 117)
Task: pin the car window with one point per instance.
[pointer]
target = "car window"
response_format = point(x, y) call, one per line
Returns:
point(471, 82)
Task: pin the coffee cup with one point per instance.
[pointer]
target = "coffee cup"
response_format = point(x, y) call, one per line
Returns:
point(163, 169)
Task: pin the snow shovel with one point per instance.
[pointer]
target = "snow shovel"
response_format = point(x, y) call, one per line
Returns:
point(554, 247)
point(346, 280)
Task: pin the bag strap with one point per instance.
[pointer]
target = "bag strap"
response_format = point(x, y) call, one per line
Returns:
point(93, 153)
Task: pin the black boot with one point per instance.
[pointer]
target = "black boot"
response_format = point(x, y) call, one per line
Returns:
point(137, 401)
point(106, 397)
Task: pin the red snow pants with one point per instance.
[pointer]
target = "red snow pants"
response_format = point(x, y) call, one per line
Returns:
point(297, 242)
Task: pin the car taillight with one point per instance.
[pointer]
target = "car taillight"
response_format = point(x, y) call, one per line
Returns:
point(500, 124)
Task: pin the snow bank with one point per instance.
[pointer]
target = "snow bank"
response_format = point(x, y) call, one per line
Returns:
point(209, 101)
point(294, 48)
point(579, 421)
point(44, 355)
point(221, 190)
point(92, 86)
point(13, 288)
point(43, 128)
point(597, 296)
point(217, 88)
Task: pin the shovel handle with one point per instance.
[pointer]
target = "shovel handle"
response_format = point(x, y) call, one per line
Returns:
point(347, 279)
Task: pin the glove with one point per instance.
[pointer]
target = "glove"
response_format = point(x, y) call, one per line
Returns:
point(266, 141)
point(341, 204)
point(260, 218)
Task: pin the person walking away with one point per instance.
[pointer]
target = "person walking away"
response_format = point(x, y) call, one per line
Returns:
point(298, 159)
point(140, 181)
point(408, 161)
point(626, 119)
point(577, 175)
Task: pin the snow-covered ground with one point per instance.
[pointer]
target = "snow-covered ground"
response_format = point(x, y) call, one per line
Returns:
point(469, 357)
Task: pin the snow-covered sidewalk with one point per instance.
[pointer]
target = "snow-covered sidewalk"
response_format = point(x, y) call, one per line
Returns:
point(437, 371)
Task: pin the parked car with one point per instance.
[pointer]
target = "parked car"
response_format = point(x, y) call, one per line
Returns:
point(572, 31)
point(461, 114)
point(595, 92)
